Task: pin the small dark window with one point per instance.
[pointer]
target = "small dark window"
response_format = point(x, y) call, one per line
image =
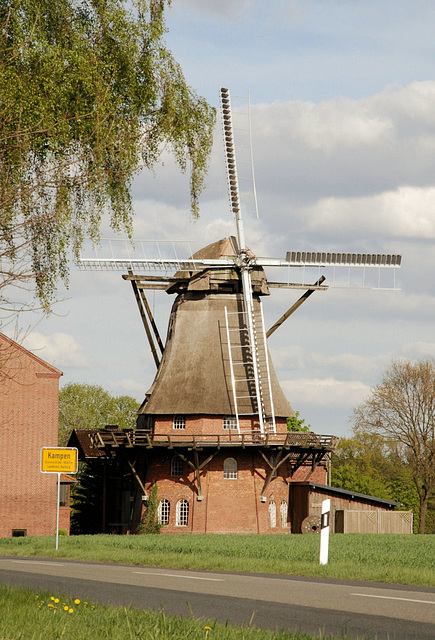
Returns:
point(229, 423)
point(176, 466)
point(19, 533)
point(179, 422)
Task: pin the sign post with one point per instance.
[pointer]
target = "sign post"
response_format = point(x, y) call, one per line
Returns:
point(59, 460)
point(324, 531)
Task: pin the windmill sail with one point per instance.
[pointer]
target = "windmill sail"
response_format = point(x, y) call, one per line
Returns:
point(253, 351)
point(215, 360)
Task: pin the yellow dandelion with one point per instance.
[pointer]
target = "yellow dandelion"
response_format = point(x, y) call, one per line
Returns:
point(51, 605)
point(66, 607)
point(207, 628)
point(70, 610)
point(56, 600)
point(52, 598)
point(76, 601)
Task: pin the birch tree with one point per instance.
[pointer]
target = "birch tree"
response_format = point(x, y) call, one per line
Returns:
point(402, 408)
point(89, 95)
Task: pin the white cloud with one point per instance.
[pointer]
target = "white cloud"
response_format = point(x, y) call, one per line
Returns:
point(343, 149)
point(418, 350)
point(127, 387)
point(405, 212)
point(325, 392)
point(59, 349)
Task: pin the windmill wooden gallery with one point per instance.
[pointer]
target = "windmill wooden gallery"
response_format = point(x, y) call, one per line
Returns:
point(212, 430)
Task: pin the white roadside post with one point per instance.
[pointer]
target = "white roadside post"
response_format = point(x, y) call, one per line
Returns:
point(324, 531)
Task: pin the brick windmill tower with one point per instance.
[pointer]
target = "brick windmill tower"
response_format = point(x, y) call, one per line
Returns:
point(212, 430)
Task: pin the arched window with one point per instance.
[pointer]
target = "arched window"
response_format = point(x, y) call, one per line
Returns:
point(176, 466)
point(163, 511)
point(230, 469)
point(272, 514)
point(182, 515)
point(284, 513)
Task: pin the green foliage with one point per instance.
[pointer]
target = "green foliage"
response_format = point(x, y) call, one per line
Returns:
point(371, 464)
point(89, 95)
point(294, 423)
point(88, 406)
point(401, 408)
point(149, 522)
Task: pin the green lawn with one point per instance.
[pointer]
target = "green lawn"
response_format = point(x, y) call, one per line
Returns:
point(404, 559)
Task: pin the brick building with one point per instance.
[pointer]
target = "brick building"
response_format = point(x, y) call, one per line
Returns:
point(29, 409)
point(220, 463)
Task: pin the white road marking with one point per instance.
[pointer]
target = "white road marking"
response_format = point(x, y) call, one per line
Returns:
point(174, 575)
point(367, 595)
point(50, 564)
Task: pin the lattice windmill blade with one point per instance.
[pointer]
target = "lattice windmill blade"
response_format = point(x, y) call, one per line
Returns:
point(256, 335)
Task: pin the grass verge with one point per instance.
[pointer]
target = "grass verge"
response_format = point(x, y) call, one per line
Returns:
point(27, 615)
point(402, 559)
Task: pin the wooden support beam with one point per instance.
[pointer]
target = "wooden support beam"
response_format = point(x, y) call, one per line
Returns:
point(138, 480)
point(293, 308)
point(302, 459)
point(316, 460)
point(273, 469)
point(198, 475)
point(295, 285)
point(152, 321)
point(145, 322)
point(197, 467)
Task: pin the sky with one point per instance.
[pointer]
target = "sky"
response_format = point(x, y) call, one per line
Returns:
point(343, 134)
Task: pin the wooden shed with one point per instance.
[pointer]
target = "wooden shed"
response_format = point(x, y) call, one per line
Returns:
point(351, 512)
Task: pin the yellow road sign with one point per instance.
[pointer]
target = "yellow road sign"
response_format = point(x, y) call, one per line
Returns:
point(59, 459)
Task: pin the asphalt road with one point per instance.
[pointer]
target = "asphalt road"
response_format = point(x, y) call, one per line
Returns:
point(357, 609)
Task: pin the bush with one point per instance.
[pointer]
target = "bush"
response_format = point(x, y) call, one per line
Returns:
point(150, 522)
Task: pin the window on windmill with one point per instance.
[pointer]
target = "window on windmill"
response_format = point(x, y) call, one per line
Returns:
point(272, 514)
point(179, 422)
point(230, 469)
point(176, 466)
point(182, 515)
point(163, 512)
point(229, 422)
point(284, 513)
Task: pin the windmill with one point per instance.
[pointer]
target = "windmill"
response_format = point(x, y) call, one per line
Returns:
point(248, 374)
point(215, 403)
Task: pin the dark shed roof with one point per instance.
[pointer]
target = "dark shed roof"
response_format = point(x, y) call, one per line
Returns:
point(351, 494)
